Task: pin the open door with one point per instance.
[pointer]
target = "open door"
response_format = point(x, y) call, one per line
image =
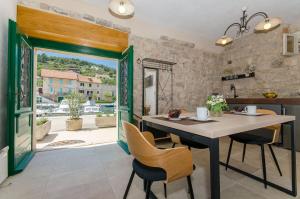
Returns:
point(20, 98)
point(125, 94)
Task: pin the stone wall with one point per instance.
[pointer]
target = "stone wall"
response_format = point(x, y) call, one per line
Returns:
point(274, 72)
point(194, 73)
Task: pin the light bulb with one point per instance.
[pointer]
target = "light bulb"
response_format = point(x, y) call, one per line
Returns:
point(122, 8)
point(267, 26)
point(224, 41)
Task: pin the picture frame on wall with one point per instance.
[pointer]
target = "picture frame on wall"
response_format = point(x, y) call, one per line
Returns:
point(291, 44)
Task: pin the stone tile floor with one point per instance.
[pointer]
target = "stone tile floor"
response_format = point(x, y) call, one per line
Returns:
point(102, 172)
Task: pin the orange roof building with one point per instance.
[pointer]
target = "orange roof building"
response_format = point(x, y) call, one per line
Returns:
point(59, 74)
point(58, 83)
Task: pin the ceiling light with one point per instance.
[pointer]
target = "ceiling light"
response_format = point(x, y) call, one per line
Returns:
point(268, 24)
point(121, 8)
point(224, 40)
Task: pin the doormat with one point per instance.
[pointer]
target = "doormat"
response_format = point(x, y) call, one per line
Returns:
point(65, 142)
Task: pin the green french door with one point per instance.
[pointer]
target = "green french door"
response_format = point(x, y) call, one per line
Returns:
point(125, 94)
point(20, 97)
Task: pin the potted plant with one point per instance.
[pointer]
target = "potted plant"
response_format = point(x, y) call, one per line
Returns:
point(43, 126)
point(74, 122)
point(216, 104)
point(103, 120)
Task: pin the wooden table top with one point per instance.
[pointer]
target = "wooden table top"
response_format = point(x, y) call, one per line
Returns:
point(226, 125)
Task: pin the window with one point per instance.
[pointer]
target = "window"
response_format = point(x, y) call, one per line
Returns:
point(81, 91)
point(61, 81)
point(70, 82)
point(51, 90)
point(81, 84)
point(90, 85)
point(98, 92)
point(60, 91)
point(50, 81)
point(39, 99)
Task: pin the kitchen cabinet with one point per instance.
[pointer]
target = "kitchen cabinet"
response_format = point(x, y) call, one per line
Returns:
point(291, 110)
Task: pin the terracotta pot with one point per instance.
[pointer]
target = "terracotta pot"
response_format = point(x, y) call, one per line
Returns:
point(105, 121)
point(43, 130)
point(74, 125)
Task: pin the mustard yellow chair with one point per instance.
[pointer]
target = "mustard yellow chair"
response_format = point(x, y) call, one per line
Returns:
point(153, 164)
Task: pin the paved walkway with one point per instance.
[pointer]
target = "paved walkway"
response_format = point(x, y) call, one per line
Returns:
point(89, 135)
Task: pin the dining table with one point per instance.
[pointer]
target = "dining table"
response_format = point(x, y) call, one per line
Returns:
point(209, 133)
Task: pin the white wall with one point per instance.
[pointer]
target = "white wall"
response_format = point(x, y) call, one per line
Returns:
point(7, 11)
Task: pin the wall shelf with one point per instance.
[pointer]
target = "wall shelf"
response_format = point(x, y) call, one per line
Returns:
point(238, 76)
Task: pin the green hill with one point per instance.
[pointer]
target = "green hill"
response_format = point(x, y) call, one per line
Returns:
point(80, 66)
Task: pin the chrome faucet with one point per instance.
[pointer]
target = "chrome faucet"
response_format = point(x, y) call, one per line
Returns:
point(232, 87)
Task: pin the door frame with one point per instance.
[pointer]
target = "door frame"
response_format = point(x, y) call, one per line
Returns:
point(72, 48)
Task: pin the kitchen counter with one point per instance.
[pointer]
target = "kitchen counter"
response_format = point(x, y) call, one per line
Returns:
point(287, 101)
point(283, 106)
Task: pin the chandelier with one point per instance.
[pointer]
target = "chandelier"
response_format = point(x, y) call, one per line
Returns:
point(266, 25)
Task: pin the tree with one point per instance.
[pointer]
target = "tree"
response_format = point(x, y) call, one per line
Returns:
point(74, 100)
point(43, 58)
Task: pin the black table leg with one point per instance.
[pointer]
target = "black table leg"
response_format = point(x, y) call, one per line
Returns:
point(293, 155)
point(214, 169)
point(293, 190)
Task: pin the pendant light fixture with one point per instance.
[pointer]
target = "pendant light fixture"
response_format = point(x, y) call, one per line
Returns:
point(266, 25)
point(121, 8)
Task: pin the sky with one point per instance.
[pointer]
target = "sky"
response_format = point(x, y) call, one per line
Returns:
point(106, 62)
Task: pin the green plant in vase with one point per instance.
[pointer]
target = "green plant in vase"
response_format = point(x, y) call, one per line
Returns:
point(74, 122)
point(216, 104)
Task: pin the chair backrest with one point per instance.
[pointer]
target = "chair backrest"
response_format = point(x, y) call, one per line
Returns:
point(138, 146)
point(176, 162)
point(276, 127)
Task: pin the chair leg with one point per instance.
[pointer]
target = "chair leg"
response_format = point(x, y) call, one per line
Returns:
point(229, 153)
point(173, 145)
point(190, 187)
point(148, 189)
point(145, 185)
point(129, 185)
point(263, 161)
point(165, 190)
point(275, 159)
point(244, 152)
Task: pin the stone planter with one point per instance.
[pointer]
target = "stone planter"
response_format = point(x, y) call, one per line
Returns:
point(105, 121)
point(73, 125)
point(43, 130)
